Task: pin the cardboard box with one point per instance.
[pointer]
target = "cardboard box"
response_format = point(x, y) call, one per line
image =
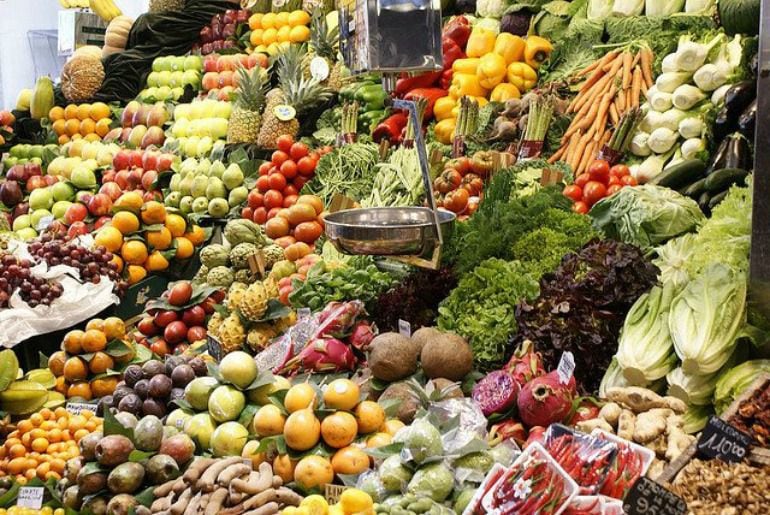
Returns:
point(77, 29)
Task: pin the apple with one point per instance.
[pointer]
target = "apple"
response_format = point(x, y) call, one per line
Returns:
point(76, 212)
point(59, 209)
point(83, 177)
point(38, 215)
point(136, 158)
point(191, 78)
point(153, 79)
point(17, 173)
point(147, 327)
point(163, 63)
point(100, 204)
point(137, 133)
point(109, 176)
point(33, 168)
point(152, 195)
point(206, 35)
point(192, 63)
point(10, 193)
point(102, 221)
point(157, 116)
point(210, 80)
point(41, 198)
point(150, 160)
point(122, 160)
point(35, 182)
point(50, 180)
point(165, 317)
point(135, 178)
point(113, 135)
point(127, 116)
point(121, 179)
point(63, 191)
point(165, 161)
point(22, 222)
point(22, 208)
point(193, 316)
point(112, 190)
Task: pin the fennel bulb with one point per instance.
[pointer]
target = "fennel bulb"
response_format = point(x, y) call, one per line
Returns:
point(663, 7)
point(719, 94)
point(698, 6)
point(671, 118)
point(662, 139)
point(599, 9)
point(660, 101)
point(668, 64)
point(651, 121)
point(639, 145)
point(691, 55)
point(692, 147)
point(650, 167)
point(675, 160)
point(669, 81)
point(691, 127)
point(709, 77)
point(686, 96)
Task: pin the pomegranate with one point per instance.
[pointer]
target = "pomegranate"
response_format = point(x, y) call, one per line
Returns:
point(362, 335)
point(496, 392)
point(506, 430)
point(525, 364)
point(545, 400)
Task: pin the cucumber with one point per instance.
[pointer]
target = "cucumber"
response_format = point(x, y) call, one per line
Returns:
point(723, 179)
point(703, 202)
point(680, 174)
point(695, 189)
point(716, 199)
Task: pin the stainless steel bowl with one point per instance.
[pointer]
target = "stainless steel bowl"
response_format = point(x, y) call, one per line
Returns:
point(386, 231)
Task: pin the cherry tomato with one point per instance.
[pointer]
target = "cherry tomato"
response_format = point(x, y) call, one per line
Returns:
point(306, 166)
point(289, 169)
point(628, 180)
point(289, 200)
point(247, 213)
point(619, 171)
point(284, 143)
point(614, 179)
point(290, 190)
point(592, 193)
point(573, 191)
point(260, 216)
point(582, 179)
point(263, 184)
point(299, 181)
point(278, 157)
point(599, 170)
point(277, 181)
point(614, 188)
point(264, 168)
point(273, 199)
point(298, 151)
point(580, 207)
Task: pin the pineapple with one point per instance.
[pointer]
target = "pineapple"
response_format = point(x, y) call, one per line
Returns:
point(250, 97)
point(324, 44)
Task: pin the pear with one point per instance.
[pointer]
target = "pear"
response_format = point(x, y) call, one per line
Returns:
point(199, 186)
point(217, 170)
point(238, 195)
point(173, 199)
point(176, 179)
point(215, 189)
point(232, 177)
point(200, 205)
point(185, 204)
point(218, 207)
point(203, 167)
point(186, 184)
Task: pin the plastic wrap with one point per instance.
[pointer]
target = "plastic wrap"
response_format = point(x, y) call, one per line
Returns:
point(585, 458)
point(629, 464)
point(471, 424)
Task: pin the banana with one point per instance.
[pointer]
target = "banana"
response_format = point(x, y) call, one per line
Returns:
point(105, 9)
point(65, 4)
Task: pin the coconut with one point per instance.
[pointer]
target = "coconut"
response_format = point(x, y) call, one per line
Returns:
point(449, 389)
point(448, 356)
point(408, 402)
point(423, 335)
point(392, 357)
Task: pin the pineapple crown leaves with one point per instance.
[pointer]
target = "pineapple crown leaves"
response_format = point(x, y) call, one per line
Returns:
point(304, 94)
point(323, 40)
point(252, 88)
point(288, 64)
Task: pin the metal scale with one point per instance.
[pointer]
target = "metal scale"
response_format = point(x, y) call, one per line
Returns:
point(391, 37)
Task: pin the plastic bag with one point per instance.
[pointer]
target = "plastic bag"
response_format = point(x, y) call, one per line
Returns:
point(471, 424)
point(586, 459)
point(631, 462)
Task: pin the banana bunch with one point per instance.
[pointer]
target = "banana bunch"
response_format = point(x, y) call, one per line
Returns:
point(25, 394)
point(105, 9)
point(74, 4)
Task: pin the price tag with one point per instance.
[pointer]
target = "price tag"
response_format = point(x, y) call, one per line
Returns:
point(44, 222)
point(284, 112)
point(566, 367)
point(303, 312)
point(647, 497)
point(257, 263)
point(30, 497)
point(214, 348)
point(76, 408)
point(319, 69)
point(405, 328)
point(721, 440)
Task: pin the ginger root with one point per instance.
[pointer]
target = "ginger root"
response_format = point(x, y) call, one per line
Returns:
point(611, 412)
point(589, 425)
point(626, 424)
point(636, 398)
point(678, 440)
point(651, 424)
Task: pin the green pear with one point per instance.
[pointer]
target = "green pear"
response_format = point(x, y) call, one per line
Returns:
point(188, 166)
point(238, 195)
point(218, 207)
point(203, 167)
point(199, 186)
point(200, 205)
point(173, 184)
point(217, 170)
point(185, 204)
point(233, 176)
point(186, 184)
point(172, 199)
point(215, 189)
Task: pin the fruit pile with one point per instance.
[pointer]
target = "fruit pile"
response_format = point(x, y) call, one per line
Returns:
point(352, 501)
point(85, 366)
point(199, 125)
point(16, 274)
point(18, 510)
point(6, 126)
point(181, 324)
point(141, 125)
point(219, 76)
point(205, 187)
point(136, 170)
point(88, 121)
point(170, 76)
point(41, 444)
point(271, 31)
point(220, 33)
point(598, 182)
point(144, 238)
point(23, 153)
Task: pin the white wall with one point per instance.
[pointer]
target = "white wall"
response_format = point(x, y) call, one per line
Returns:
point(17, 18)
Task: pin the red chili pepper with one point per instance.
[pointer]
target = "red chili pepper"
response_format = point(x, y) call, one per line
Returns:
point(458, 29)
point(390, 128)
point(429, 94)
point(424, 80)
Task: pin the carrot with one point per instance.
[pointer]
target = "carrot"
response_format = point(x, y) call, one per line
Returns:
point(605, 139)
point(577, 153)
point(636, 88)
point(627, 58)
point(646, 61)
point(573, 141)
point(612, 67)
point(614, 114)
point(628, 99)
point(557, 155)
point(586, 157)
point(599, 63)
point(644, 89)
point(596, 90)
point(620, 100)
point(605, 105)
point(637, 57)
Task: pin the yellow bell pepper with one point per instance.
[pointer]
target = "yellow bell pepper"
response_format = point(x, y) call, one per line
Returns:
point(443, 107)
point(481, 101)
point(491, 71)
point(537, 51)
point(522, 75)
point(480, 42)
point(466, 84)
point(510, 47)
point(445, 130)
point(503, 92)
point(467, 65)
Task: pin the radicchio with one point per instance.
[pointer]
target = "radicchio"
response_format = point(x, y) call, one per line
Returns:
point(526, 364)
point(545, 400)
point(324, 355)
point(496, 392)
point(361, 335)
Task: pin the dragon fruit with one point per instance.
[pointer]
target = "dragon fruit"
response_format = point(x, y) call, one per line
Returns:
point(545, 400)
point(536, 434)
point(337, 318)
point(496, 392)
point(506, 430)
point(361, 336)
point(324, 355)
point(526, 364)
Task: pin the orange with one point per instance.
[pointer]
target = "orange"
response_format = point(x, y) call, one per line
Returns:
point(114, 328)
point(302, 430)
point(255, 38)
point(125, 221)
point(17, 451)
point(56, 362)
point(77, 136)
point(73, 341)
point(80, 433)
point(153, 212)
point(298, 18)
point(110, 238)
point(379, 440)
point(75, 370)
point(313, 471)
point(87, 126)
point(160, 239)
point(131, 201)
point(71, 111)
point(47, 414)
point(61, 385)
point(342, 394)
point(102, 127)
point(350, 460)
point(370, 416)
point(255, 21)
point(54, 435)
point(136, 274)
point(103, 387)
point(268, 421)
point(60, 412)
point(94, 341)
point(176, 224)
point(72, 127)
point(184, 248)
point(196, 235)
point(39, 444)
point(92, 137)
point(156, 262)
point(98, 111)
point(118, 262)
point(134, 252)
point(63, 139)
point(56, 113)
point(339, 429)
point(42, 470)
point(353, 500)
point(80, 389)
point(95, 323)
point(100, 362)
point(83, 111)
point(299, 34)
point(299, 396)
point(392, 426)
point(17, 465)
point(57, 465)
point(59, 127)
point(284, 467)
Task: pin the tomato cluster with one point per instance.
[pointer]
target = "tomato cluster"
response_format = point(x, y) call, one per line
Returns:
point(303, 266)
point(598, 182)
point(459, 186)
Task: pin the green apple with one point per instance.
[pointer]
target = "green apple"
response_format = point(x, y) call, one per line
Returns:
point(177, 92)
point(218, 207)
point(238, 196)
point(193, 63)
point(200, 205)
point(153, 79)
point(41, 198)
point(164, 93)
point(26, 234)
point(59, 208)
point(164, 64)
point(24, 221)
point(10, 162)
point(232, 177)
point(83, 177)
point(185, 204)
point(36, 151)
point(62, 191)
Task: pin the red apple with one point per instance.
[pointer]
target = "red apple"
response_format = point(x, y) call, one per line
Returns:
point(152, 195)
point(33, 169)
point(153, 137)
point(75, 213)
point(122, 160)
point(83, 197)
point(196, 333)
point(50, 180)
point(225, 78)
point(208, 305)
point(124, 134)
point(135, 178)
point(101, 222)
point(180, 294)
point(242, 59)
point(112, 190)
point(35, 182)
point(163, 318)
point(160, 347)
point(195, 315)
point(175, 332)
point(77, 229)
point(147, 327)
point(136, 157)
point(121, 179)
point(140, 117)
point(218, 296)
point(247, 213)
point(113, 135)
point(100, 204)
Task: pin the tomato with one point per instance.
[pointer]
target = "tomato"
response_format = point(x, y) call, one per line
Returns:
point(599, 170)
point(457, 200)
point(308, 232)
point(284, 143)
point(260, 216)
point(315, 156)
point(289, 169)
point(614, 188)
point(628, 180)
point(289, 200)
point(263, 184)
point(278, 157)
point(573, 191)
point(298, 151)
point(306, 165)
point(580, 207)
point(290, 190)
point(273, 212)
point(247, 213)
point(299, 181)
point(277, 181)
point(255, 199)
point(277, 227)
point(592, 193)
point(619, 171)
point(264, 168)
point(582, 179)
point(614, 179)
point(452, 176)
point(273, 199)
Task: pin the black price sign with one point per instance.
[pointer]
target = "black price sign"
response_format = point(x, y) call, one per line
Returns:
point(214, 348)
point(721, 440)
point(647, 497)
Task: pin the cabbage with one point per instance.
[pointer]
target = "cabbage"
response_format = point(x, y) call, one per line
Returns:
point(663, 7)
point(695, 418)
point(672, 258)
point(692, 389)
point(733, 382)
point(627, 7)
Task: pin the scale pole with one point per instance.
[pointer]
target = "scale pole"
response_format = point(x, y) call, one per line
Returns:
point(759, 271)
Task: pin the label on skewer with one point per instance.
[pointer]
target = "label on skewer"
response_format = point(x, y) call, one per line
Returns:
point(566, 367)
point(405, 328)
point(530, 149)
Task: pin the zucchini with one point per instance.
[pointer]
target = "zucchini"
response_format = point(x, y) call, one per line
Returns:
point(680, 174)
point(695, 189)
point(716, 199)
point(723, 179)
point(703, 202)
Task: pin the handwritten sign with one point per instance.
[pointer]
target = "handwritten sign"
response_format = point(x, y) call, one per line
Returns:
point(30, 497)
point(76, 408)
point(647, 497)
point(721, 440)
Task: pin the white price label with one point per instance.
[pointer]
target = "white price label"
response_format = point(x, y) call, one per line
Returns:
point(303, 312)
point(30, 497)
point(76, 408)
point(405, 328)
point(319, 69)
point(566, 367)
